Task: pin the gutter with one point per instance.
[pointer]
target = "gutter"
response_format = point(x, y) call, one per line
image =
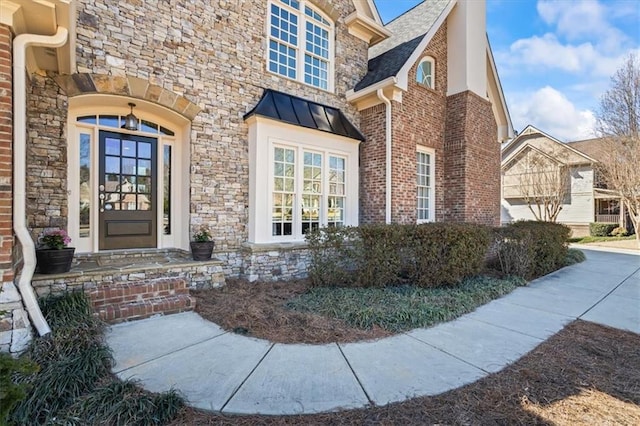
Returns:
point(20, 45)
point(387, 102)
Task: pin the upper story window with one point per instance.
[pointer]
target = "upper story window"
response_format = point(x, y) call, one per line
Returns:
point(425, 186)
point(300, 43)
point(426, 73)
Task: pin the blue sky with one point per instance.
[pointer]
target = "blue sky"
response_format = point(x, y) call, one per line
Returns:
point(555, 58)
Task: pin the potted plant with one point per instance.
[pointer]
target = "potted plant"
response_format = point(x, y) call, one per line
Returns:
point(53, 254)
point(202, 246)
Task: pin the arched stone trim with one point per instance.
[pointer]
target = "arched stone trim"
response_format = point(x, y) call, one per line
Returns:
point(327, 8)
point(82, 84)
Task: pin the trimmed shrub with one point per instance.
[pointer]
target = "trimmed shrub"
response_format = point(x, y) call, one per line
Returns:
point(574, 256)
point(428, 255)
point(600, 229)
point(446, 253)
point(532, 249)
point(620, 231)
point(333, 255)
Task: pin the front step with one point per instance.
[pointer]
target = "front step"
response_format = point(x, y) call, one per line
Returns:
point(123, 301)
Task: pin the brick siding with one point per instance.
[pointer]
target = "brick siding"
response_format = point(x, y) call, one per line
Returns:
point(472, 161)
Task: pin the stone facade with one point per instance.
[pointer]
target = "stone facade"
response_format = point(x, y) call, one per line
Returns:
point(212, 53)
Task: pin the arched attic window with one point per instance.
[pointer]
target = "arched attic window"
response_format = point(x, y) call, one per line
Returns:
point(426, 72)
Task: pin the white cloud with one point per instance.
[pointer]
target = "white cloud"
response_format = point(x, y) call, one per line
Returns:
point(551, 111)
point(547, 52)
point(584, 19)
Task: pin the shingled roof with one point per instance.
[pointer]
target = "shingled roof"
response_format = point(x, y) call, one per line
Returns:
point(594, 148)
point(408, 30)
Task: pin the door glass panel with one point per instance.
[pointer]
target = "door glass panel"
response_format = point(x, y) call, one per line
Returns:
point(112, 164)
point(128, 184)
point(144, 149)
point(85, 184)
point(143, 202)
point(129, 165)
point(144, 167)
point(129, 148)
point(144, 185)
point(112, 146)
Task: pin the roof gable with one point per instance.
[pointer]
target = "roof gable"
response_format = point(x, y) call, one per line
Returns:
point(532, 137)
point(411, 32)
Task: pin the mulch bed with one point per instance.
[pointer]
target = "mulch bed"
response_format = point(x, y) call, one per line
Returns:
point(257, 310)
point(586, 374)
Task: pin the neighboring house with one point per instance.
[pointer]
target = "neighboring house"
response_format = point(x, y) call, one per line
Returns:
point(259, 119)
point(586, 199)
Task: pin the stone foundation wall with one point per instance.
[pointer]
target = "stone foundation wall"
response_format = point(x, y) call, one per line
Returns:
point(275, 262)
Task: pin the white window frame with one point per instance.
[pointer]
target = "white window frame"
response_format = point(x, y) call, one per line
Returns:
point(300, 47)
point(298, 187)
point(266, 134)
point(432, 180)
point(432, 61)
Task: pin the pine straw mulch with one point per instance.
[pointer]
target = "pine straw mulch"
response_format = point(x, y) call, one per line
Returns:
point(586, 374)
point(258, 310)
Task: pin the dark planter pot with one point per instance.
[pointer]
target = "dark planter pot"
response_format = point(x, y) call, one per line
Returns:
point(54, 261)
point(201, 250)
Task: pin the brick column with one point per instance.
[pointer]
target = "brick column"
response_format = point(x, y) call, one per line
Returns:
point(6, 156)
point(472, 161)
point(15, 329)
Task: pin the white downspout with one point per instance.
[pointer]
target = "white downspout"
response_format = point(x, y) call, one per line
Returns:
point(387, 102)
point(20, 45)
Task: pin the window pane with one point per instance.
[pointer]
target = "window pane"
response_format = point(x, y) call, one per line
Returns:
point(89, 119)
point(424, 190)
point(148, 126)
point(129, 148)
point(85, 185)
point(112, 146)
point(110, 121)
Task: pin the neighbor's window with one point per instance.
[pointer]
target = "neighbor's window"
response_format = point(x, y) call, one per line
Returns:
point(300, 202)
point(425, 75)
point(425, 185)
point(300, 42)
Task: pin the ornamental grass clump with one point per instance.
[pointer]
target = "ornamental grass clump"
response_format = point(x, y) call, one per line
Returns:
point(75, 376)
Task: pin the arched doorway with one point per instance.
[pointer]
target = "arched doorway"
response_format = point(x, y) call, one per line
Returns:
point(128, 188)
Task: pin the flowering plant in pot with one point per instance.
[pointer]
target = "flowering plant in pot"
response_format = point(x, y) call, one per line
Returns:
point(53, 254)
point(202, 246)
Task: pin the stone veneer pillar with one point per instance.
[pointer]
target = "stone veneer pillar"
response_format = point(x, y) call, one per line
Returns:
point(15, 329)
point(472, 161)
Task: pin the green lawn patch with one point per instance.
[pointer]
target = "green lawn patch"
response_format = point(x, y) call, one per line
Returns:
point(589, 239)
point(402, 308)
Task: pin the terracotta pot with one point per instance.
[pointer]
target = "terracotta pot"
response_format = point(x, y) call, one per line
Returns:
point(201, 250)
point(54, 261)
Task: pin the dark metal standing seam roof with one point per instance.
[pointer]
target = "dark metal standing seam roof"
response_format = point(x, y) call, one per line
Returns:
point(301, 112)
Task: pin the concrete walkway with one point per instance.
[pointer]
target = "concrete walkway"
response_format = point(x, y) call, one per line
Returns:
point(221, 371)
